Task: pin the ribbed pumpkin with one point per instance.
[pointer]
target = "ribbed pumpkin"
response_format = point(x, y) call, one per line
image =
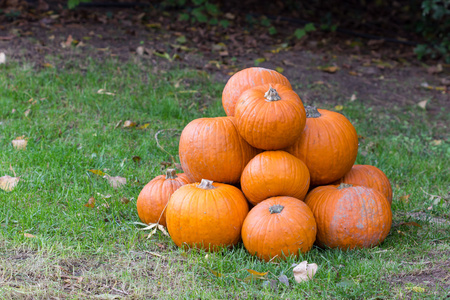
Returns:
point(212, 148)
point(270, 116)
point(206, 215)
point(328, 145)
point(349, 216)
point(369, 176)
point(279, 227)
point(153, 198)
point(245, 79)
point(274, 173)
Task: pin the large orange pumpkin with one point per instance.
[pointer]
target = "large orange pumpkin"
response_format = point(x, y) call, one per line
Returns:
point(206, 215)
point(279, 227)
point(270, 116)
point(245, 79)
point(211, 148)
point(274, 173)
point(369, 176)
point(349, 216)
point(328, 145)
point(153, 198)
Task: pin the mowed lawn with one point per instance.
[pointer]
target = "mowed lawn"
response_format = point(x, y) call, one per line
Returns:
point(53, 244)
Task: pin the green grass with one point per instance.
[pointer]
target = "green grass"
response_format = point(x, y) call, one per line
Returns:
point(71, 129)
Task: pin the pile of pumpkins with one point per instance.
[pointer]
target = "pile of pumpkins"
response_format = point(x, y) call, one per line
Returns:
point(272, 173)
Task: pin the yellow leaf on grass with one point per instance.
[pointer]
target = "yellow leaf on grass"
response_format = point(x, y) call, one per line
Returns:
point(215, 273)
point(279, 69)
point(129, 124)
point(253, 272)
point(90, 203)
point(339, 107)
point(143, 126)
point(97, 172)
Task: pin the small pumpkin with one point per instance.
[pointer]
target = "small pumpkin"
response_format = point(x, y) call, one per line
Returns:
point(153, 198)
point(328, 145)
point(274, 173)
point(245, 79)
point(349, 216)
point(369, 176)
point(206, 215)
point(270, 116)
point(212, 148)
point(279, 227)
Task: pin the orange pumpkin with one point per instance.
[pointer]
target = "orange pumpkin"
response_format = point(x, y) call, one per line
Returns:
point(270, 116)
point(369, 176)
point(274, 173)
point(206, 215)
point(349, 216)
point(153, 198)
point(212, 148)
point(279, 227)
point(328, 145)
point(245, 79)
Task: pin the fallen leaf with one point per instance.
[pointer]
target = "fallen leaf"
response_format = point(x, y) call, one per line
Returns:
point(259, 60)
point(339, 107)
point(47, 65)
point(435, 69)
point(215, 273)
point(353, 73)
point(90, 203)
point(129, 124)
point(124, 200)
point(97, 172)
point(255, 273)
point(8, 183)
point(430, 87)
point(304, 271)
point(116, 181)
point(137, 159)
point(353, 98)
point(283, 279)
point(279, 69)
point(405, 198)
point(417, 289)
point(29, 235)
point(436, 142)
point(19, 143)
point(140, 50)
point(143, 126)
point(422, 104)
point(68, 42)
point(104, 92)
point(27, 112)
point(331, 69)
point(2, 58)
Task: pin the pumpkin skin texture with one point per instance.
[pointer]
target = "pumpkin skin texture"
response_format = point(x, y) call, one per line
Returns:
point(212, 148)
point(270, 117)
point(206, 215)
point(328, 145)
point(279, 227)
point(245, 79)
point(369, 176)
point(153, 198)
point(349, 216)
point(274, 173)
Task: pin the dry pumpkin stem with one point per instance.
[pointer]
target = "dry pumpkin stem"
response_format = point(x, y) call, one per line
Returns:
point(272, 95)
point(312, 112)
point(206, 184)
point(171, 174)
point(344, 185)
point(276, 209)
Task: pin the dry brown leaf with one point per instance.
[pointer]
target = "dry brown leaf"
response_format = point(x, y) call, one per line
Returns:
point(422, 104)
point(124, 200)
point(435, 69)
point(116, 181)
point(68, 42)
point(129, 124)
point(331, 69)
point(19, 143)
point(436, 142)
point(304, 271)
point(2, 58)
point(405, 198)
point(27, 112)
point(353, 98)
point(104, 92)
point(8, 183)
point(90, 203)
point(28, 235)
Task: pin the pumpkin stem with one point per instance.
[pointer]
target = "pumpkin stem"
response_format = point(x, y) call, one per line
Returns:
point(312, 112)
point(206, 184)
point(276, 209)
point(171, 174)
point(272, 95)
point(344, 185)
